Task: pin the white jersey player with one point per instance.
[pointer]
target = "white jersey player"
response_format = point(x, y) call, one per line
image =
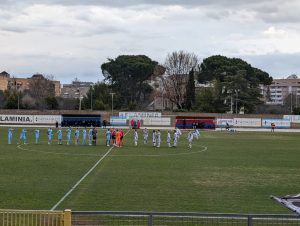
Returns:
point(197, 133)
point(178, 131)
point(154, 138)
point(175, 138)
point(169, 139)
point(146, 134)
point(158, 138)
point(135, 137)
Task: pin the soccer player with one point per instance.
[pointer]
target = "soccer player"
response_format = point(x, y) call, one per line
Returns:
point(158, 139)
point(90, 136)
point(196, 133)
point(69, 135)
point(273, 127)
point(76, 136)
point(135, 137)
point(122, 137)
point(83, 136)
point(169, 139)
point(94, 133)
point(175, 138)
point(9, 135)
point(178, 131)
point(190, 138)
point(145, 135)
point(59, 136)
point(23, 136)
point(154, 138)
point(118, 138)
point(50, 134)
point(108, 137)
point(113, 136)
point(37, 135)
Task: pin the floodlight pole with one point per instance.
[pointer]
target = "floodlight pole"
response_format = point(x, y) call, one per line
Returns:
point(112, 103)
point(91, 97)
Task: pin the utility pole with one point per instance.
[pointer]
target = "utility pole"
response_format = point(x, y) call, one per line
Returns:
point(112, 103)
point(91, 97)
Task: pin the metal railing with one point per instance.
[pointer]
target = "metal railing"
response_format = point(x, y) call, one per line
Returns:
point(112, 218)
point(35, 218)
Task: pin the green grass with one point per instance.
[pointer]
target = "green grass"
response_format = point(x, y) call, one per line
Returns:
point(237, 173)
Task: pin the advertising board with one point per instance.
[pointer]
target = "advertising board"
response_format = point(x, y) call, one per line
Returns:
point(247, 122)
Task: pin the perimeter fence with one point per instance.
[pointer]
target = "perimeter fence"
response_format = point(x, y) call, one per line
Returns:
point(111, 218)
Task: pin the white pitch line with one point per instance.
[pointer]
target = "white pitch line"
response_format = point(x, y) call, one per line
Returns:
point(124, 155)
point(82, 178)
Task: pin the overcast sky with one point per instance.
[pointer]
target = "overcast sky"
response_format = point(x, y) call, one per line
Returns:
point(72, 38)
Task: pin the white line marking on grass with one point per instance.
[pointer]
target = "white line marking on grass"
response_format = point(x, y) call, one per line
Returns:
point(171, 154)
point(82, 178)
point(98, 155)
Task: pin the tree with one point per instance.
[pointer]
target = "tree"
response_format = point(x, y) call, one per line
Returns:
point(51, 103)
point(238, 82)
point(190, 91)
point(28, 102)
point(40, 88)
point(178, 65)
point(14, 100)
point(128, 75)
point(101, 98)
point(2, 99)
point(205, 100)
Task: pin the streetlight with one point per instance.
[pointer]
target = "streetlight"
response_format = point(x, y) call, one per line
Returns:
point(236, 101)
point(112, 103)
point(80, 99)
point(91, 97)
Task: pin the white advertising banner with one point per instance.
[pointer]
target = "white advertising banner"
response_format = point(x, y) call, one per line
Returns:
point(157, 121)
point(223, 121)
point(292, 118)
point(279, 123)
point(140, 115)
point(116, 121)
point(16, 119)
point(46, 119)
point(247, 122)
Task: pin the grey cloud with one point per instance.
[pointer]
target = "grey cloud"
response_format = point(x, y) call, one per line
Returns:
point(277, 65)
point(122, 3)
point(14, 29)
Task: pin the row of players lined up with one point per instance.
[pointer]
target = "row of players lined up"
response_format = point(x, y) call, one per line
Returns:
point(113, 136)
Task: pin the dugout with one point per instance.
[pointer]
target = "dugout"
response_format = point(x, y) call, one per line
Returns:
point(186, 122)
point(81, 120)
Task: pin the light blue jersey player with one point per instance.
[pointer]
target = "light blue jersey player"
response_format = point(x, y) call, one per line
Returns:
point(190, 138)
point(108, 137)
point(50, 135)
point(23, 136)
point(37, 135)
point(59, 136)
point(69, 131)
point(9, 135)
point(90, 136)
point(76, 136)
point(83, 136)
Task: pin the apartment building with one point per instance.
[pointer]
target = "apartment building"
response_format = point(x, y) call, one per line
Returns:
point(8, 82)
point(76, 89)
point(280, 89)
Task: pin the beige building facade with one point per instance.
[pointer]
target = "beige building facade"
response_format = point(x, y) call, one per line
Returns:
point(8, 82)
point(280, 89)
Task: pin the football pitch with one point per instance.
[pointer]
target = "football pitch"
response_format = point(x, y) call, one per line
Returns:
point(223, 172)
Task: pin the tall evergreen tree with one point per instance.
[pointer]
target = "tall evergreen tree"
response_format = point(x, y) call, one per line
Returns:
point(190, 91)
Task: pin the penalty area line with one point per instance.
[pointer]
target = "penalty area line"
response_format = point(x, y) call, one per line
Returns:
point(82, 178)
